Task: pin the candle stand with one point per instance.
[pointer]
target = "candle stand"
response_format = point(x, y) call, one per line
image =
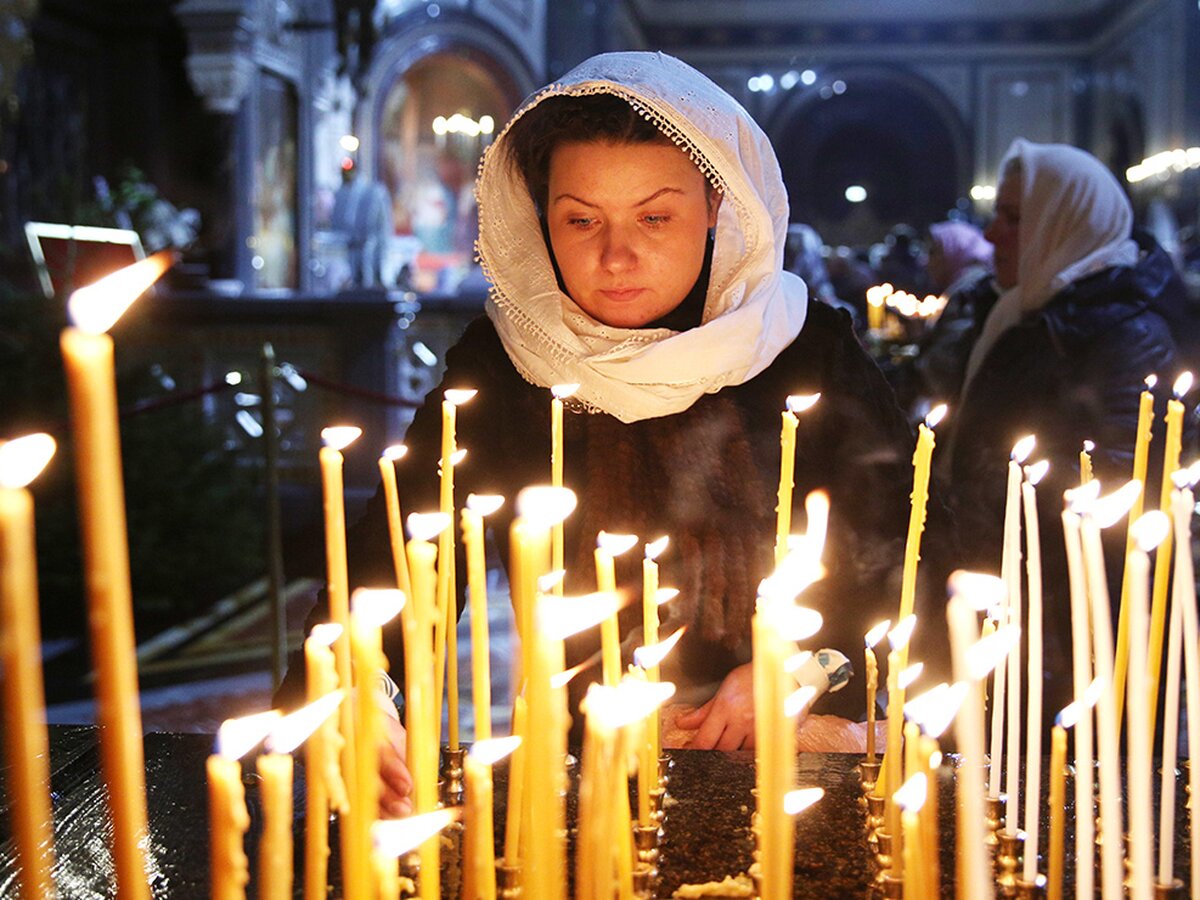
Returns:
point(884, 856)
point(645, 880)
point(870, 775)
point(1172, 891)
point(994, 809)
point(450, 778)
point(1008, 861)
point(508, 881)
point(645, 841)
point(893, 887)
point(1031, 890)
point(874, 821)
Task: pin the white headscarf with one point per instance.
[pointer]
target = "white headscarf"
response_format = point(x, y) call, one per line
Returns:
point(753, 309)
point(1075, 220)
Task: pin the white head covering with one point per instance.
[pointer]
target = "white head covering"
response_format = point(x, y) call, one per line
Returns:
point(753, 309)
point(1075, 220)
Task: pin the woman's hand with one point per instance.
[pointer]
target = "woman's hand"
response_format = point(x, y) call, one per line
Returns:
point(395, 801)
point(726, 722)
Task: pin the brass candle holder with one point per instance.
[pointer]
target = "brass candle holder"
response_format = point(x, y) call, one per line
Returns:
point(884, 855)
point(508, 880)
point(450, 776)
point(1172, 891)
point(645, 842)
point(994, 812)
point(657, 811)
point(876, 808)
point(870, 774)
point(645, 880)
point(665, 764)
point(1031, 890)
point(892, 886)
point(410, 871)
point(1008, 861)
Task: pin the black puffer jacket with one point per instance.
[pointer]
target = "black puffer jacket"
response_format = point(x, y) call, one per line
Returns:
point(706, 477)
point(1070, 372)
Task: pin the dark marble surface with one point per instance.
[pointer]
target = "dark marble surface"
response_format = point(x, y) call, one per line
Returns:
point(706, 831)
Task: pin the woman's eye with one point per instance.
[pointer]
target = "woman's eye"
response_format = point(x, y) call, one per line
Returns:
point(656, 219)
point(579, 221)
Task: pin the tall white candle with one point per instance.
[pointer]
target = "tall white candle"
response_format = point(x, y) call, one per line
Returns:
point(1033, 743)
point(1182, 507)
point(1179, 596)
point(1081, 657)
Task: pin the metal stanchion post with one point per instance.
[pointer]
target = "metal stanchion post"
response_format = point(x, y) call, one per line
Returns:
point(274, 540)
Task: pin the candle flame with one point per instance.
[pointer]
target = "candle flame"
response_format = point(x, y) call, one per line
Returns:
point(816, 509)
point(456, 458)
point(935, 709)
point(1151, 529)
point(339, 437)
point(898, 637)
point(375, 607)
point(1036, 472)
point(794, 623)
point(791, 577)
point(561, 617)
point(563, 678)
point(237, 737)
point(295, 728)
point(935, 760)
point(981, 591)
point(22, 459)
point(395, 837)
point(1088, 446)
point(936, 415)
point(458, 396)
point(548, 582)
point(1151, 381)
point(794, 662)
point(909, 675)
point(615, 544)
point(396, 452)
point(911, 795)
point(875, 635)
point(1091, 696)
point(797, 801)
point(665, 595)
point(493, 750)
point(630, 701)
point(96, 307)
point(798, 700)
point(654, 549)
point(325, 633)
point(1082, 499)
point(987, 653)
point(1068, 715)
point(651, 655)
point(484, 504)
point(1183, 384)
point(1110, 509)
point(1022, 448)
point(545, 506)
point(563, 391)
point(798, 403)
point(1186, 478)
point(427, 526)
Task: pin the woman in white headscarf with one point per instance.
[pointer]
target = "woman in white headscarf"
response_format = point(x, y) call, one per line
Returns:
point(632, 223)
point(1085, 314)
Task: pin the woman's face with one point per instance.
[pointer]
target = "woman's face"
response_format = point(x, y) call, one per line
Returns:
point(628, 225)
point(1004, 230)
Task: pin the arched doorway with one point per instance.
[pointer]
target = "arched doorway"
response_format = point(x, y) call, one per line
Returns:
point(897, 140)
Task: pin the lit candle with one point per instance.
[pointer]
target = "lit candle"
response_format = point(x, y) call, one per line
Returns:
point(370, 610)
point(972, 660)
point(479, 869)
point(1081, 664)
point(876, 297)
point(910, 798)
point(1033, 737)
point(609, 546)
point(324, 788)
point(477, 507)
point(922, 457)
point(1141, 456)
point(395, 518)
point(228, 820)
point(1010, 571)
point(898, 637)
point(26, 743)
point(1162, 561)
point(91, 385)
point(1085, 462)
point(560, 393)
point(423, 707)
point(392, 838)
point(1058, 797)
point(650, 601)
point(516, 782)
point(1184, 505)
point(275, 788)
point(787, 466)
point(446, 635)
point(336, 439)
point(873, 637)
point(1149, 532)
point(647, 659)
point(1105, 512)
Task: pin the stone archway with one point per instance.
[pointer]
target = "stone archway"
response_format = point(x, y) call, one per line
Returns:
point(891, 133)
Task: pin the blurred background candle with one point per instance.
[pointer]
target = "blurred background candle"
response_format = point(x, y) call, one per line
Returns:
point(91, 387)
point(1141, 457)
point(1085, 462)
point(26, 744)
